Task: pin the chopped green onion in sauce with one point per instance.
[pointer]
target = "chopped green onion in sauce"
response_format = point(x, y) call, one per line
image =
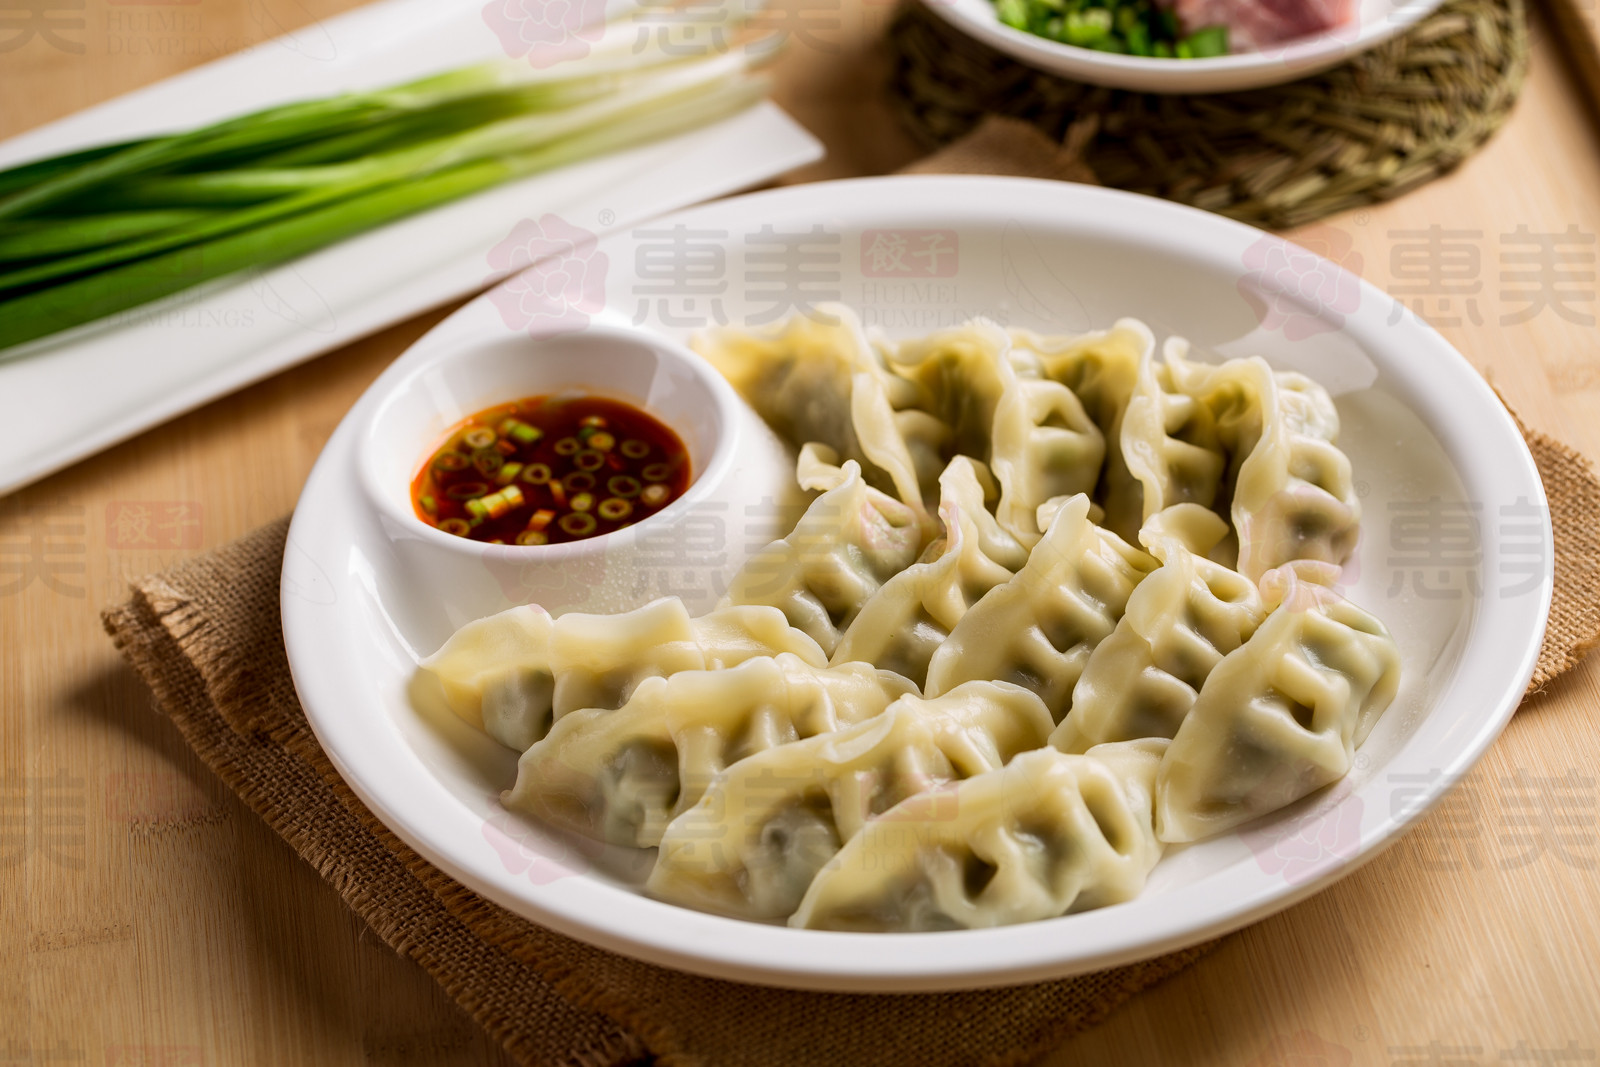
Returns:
point(550, 469)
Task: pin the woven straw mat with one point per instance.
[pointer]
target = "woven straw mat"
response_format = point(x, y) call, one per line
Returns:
point(1386, 122)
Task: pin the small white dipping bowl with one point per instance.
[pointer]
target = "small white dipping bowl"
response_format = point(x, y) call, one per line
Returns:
point(687, 549)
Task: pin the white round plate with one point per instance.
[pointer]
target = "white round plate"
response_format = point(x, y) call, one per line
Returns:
point(1376, 21)
point(1455, 556)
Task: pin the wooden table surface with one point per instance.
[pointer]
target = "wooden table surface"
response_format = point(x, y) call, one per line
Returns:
point(148, 917)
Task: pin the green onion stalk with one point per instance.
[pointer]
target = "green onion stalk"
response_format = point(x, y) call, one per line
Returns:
point(300, 123)
point(95, 296)
point(262, 189)
point(27, 239)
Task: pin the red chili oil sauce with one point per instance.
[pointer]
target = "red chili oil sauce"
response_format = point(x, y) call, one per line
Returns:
point(550, 469)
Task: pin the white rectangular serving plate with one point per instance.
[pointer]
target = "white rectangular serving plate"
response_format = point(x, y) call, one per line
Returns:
point(74, 394)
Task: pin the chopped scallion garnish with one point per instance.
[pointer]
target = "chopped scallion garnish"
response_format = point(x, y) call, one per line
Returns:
point(1126, 27)
point(578, 523)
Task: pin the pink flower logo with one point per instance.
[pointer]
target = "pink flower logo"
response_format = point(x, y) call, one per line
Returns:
point(546, 31)
point(1307, 846)
point(525, 851)
point(560, 277)
point(1303, 1049)
point(1303, 289)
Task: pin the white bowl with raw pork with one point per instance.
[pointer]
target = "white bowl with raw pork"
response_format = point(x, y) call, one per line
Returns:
point(1276, 41)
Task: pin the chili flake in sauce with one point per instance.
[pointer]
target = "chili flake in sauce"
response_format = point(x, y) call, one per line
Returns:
point(550, 469)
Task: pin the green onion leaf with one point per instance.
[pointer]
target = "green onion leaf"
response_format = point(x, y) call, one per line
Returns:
point(110, 280)
point(1088, 28)
point(1207, 43)
point(1013, 13)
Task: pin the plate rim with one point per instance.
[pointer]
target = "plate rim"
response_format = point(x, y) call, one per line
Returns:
point(935, 961)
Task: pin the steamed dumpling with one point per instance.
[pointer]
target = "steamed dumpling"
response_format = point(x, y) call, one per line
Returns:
point(1086, 703)
point(1038, 629)
point(1102, 369)
point(1044, 446)
point(1181, 620)
point(849, 542)
point(511, 674)
point(1169, 443)
point(1046, 835)
point(598, 660)
point(959, 375)
point(817, 378)
point(1031, 431)
point(495, 673)
point(1290, 490)
point(620, 776)
point(911, 615)
point(1281, 715)
point(751, 845)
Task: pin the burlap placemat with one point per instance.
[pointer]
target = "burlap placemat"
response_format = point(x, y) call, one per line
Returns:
point(206, 636)
point(1387, 121)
